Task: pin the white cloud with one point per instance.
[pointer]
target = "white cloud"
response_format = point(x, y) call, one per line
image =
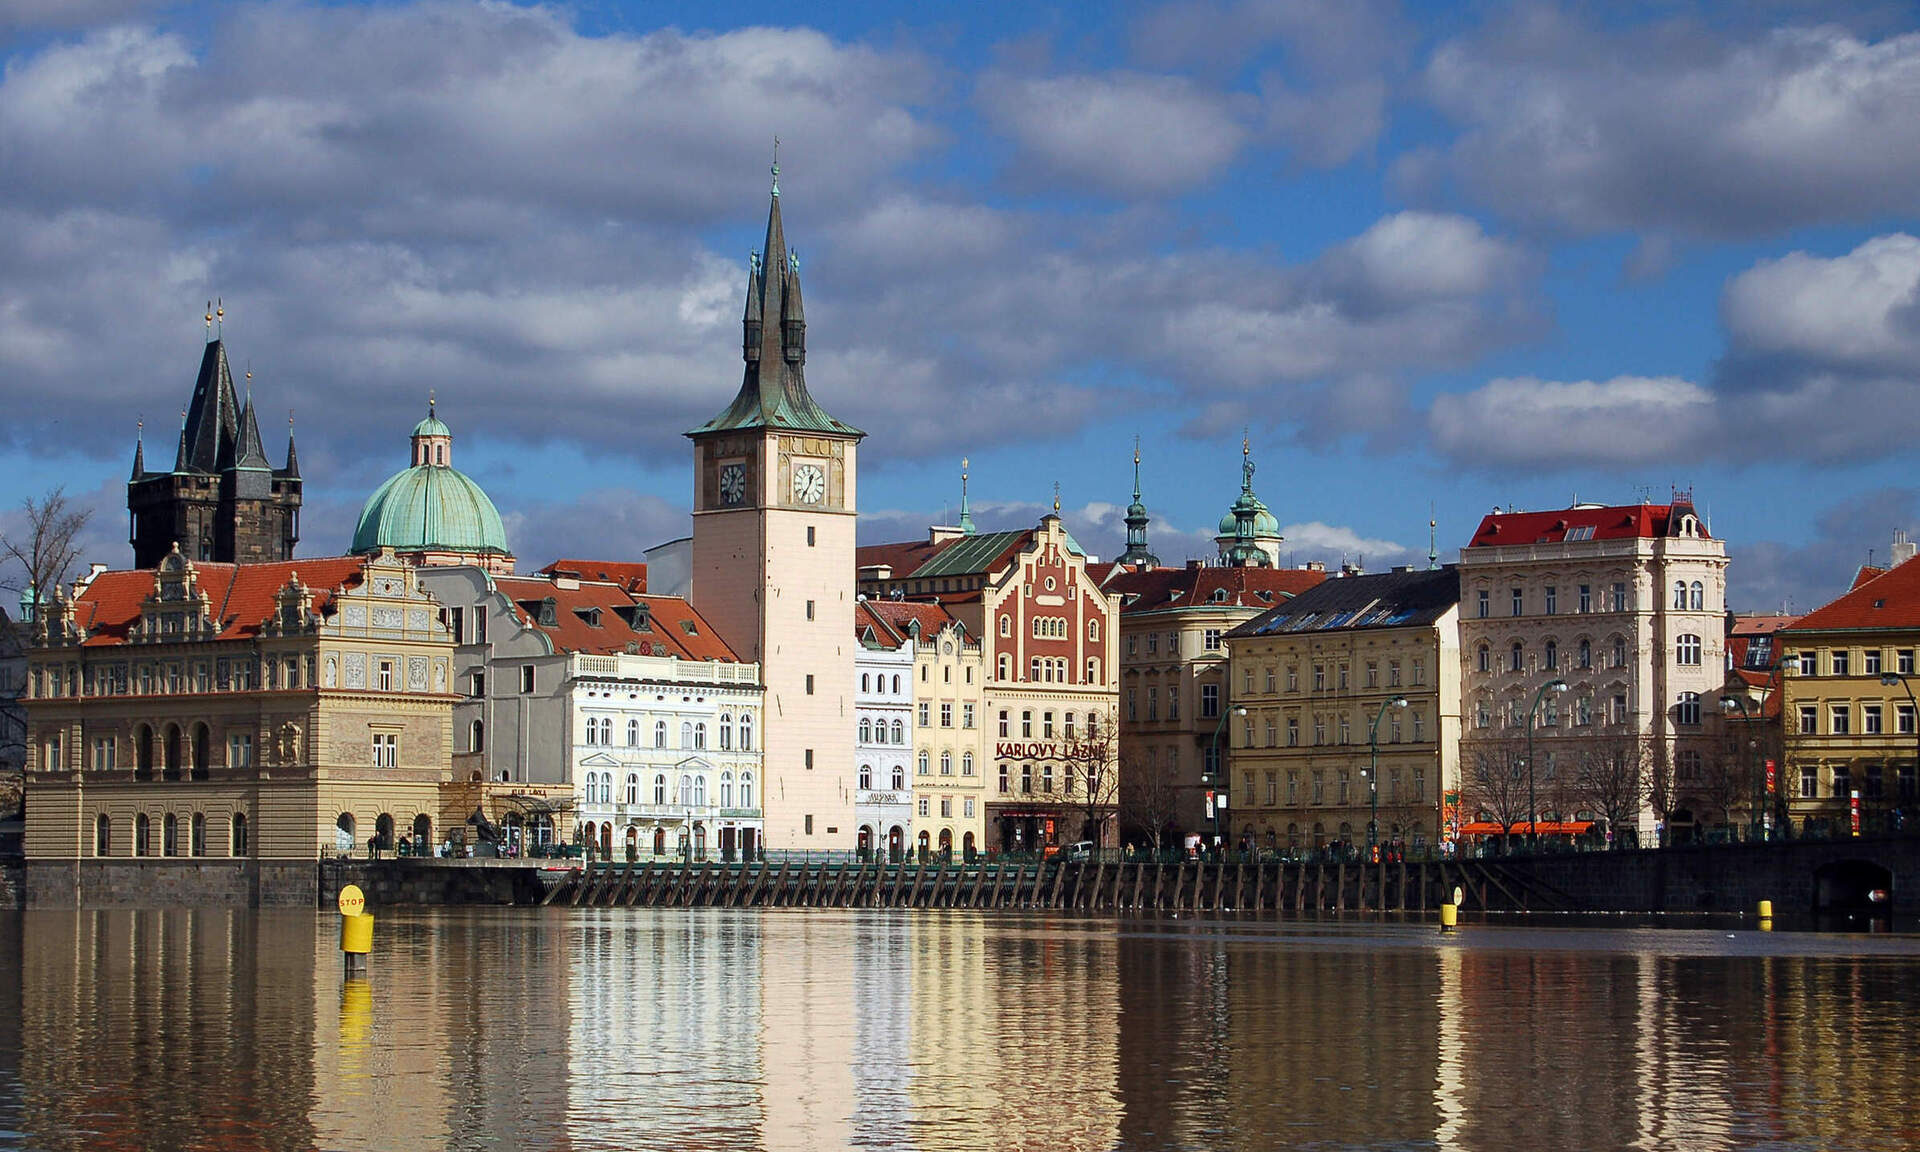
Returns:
point(1860, 309)
point(1523, 421)
point(1120, 133)
point(1669, 127)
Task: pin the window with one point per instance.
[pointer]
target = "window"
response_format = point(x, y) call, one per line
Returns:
point(526, 679)
point(1583, 710)
point(1209, 701)
point(1026, 725)
point(1619, 651)
point(1870, 719)
point(1552, 600)
point(1319, 729)
point(1585, 658)
point(1153, 702)
point(699, 734)
point(866, 778)
point(1373, 676)
point(1688, 714)
point(1003, 724)
point(1687, 650)
point(1842, 782)
point(477, 736)
point(239, 750)
point(659, 733)
point(1696, 596)
point(1552, 655)
point(1840, 663)
point(1519, 658)
point(966, 715)
point(1393, 675)
point(1679, 593)
point(1903, 661)
point(1419, 671)
point(746, 789)
point(1619, 713)
point(1483, 604)
point(1006, 625)
point(1005, 786)
point(1870, 662)
point(809, 609)
point(946, 715)
point(1293, 731)
point(1417, 726)
point(1841, 716)
point(1619, 597)
point(926, 714)
point(1519, 601)
point(1809, 782)
point(1903, 718)
point(1809, 719)
point(1293, 678)
point(1093, 630)
point(1486, 658)
point(946, 763)
point(1586, 598)
point(811, 538)
point(386, 750)
point(1210, 640)
point(660, 788)
point(866, 730)
point(386, 675)
point(1343, 677)
point(809, 683)
point(1809, 663)
point(103, 751)
point(1046, 726)
point(966, 764)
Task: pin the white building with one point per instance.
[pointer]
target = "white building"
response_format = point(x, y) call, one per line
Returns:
point(1622, 605)
point(883, 748)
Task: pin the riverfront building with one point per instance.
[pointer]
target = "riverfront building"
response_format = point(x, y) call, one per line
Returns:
point(1048, 662)
point(946, 695)
point(1346, 713)
point(1601, 627)
point(200, 731)
point(1848, 687)
point(773, 550)
point(883, 705)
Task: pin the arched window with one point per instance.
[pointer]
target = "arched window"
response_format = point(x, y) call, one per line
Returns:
point(102, 835)
point(1679, 593)
point(633, 787)
point(197, 836)
point(866, 777)
point(633, 733)
point(700, 735)
point(1033, 668)
point(477, 736)
point(1003, 667)
point(699, 791)
point(1697, 596)
point(1519, 658)
point(1687, 649)
point(237, 835)
point(606, 787)
point(746, 733)
point(1689, 711)
point(1552, 655)
point(169, 835)
point(143, 753)
point(726, 789)
point(899, 732)
point(1093, 630)
point(946, 763)
point(1093, 669)
point(686, 789)
point(659, 733)
point(140, 844)
point(925, 764)
point(686, 733)
point(726, 731)
point(593, 730)
point(1486, 658)
point(896, 684)
point(1006, 625)
point(1586, 653)
point(746, 789)
point(900, 774)
point(659, 841)
point(172, 769)
point(866, 731)
point(966, 764)
point(660, 788)
point(865, 682)
point(202, 742)
point(1619, 651)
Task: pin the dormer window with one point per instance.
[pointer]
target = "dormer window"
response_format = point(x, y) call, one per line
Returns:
point(590, 615)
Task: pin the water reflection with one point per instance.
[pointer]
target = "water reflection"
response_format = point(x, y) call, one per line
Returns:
point(797, 1029)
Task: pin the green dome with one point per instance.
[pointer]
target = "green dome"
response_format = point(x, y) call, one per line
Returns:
point(431, 426)
point(429, 507)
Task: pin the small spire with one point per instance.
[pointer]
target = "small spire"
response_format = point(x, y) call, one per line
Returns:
point(1433, 541)
point(293, 457)
point(219, 317)
point(1136, 468)
point(776, 165)
point(139, 448)
point(966, 517)
point(1056, 496)
point(249, 383)
point(209, 321)
point(430, 404)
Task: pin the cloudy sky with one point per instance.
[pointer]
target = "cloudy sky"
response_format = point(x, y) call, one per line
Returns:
point(1431, 258)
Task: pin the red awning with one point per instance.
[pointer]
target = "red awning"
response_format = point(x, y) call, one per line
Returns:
point(1547, 828)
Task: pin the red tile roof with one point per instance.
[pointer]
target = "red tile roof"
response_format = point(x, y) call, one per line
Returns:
point(1625, 522)
point(1867, 572)
point(629, 574)
point(240, 597)
point(889, 618)
point(593, 619)
point(1890, 600)
point(1159, 589)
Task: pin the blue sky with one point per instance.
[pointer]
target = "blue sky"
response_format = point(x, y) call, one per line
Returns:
point(1427, 257)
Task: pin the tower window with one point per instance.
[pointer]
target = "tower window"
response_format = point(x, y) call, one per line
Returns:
point(810, 537)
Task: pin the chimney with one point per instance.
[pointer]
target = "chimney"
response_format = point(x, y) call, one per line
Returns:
point(941, 533)
point(1902, 550)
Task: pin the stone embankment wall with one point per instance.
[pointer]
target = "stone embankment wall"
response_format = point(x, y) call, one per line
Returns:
point(433, 882)
point(167, 882)
point(13, 884)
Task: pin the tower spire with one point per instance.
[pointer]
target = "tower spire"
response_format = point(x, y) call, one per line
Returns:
point(966, 517)
point(1137, 554)
point(139, 448)
point(1433, 540)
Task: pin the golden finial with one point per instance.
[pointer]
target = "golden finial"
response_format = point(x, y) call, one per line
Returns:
point(430, 402)
point(220, 316)
point(209, 319)
point(1056, 495)
point(1136, 448)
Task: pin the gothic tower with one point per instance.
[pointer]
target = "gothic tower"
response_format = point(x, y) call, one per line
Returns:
point(222, 500)
point(773, 555)
point(1137, 554)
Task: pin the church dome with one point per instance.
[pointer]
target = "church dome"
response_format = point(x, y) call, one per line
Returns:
point(432, 426)
point(429, 508)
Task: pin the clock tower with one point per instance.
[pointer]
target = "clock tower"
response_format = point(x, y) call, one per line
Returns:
point(773, 555)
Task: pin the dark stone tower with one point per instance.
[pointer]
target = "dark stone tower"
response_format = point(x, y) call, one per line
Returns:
point(222, 501)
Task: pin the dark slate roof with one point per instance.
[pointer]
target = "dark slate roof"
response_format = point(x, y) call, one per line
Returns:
point(1383, 600)
point(1161, 589)
point(773, 393)
point(213, 416)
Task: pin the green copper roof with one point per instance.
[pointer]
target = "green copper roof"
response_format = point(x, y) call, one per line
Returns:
point(429, 507)
point(431, 426)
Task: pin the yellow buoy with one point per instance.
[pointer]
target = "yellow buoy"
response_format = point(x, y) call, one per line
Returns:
point(356, 934)
point(1766, 915)
point(1449, 917)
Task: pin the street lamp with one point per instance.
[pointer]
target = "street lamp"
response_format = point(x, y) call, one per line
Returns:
point(1892, 678)
point(1533, 812)
point(1728, 703)
point(1216, 765)
point(1373, 772)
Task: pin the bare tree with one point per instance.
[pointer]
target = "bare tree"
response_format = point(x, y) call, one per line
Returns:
point(1149, 796)
point(1493, 780)
point(46, 551)
point(1092, 762)
point(1609, 774)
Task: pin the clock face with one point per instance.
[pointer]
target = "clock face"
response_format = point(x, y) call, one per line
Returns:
point(809, 483)
point(733, 484)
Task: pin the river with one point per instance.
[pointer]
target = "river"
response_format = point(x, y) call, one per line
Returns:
point(826, 1029)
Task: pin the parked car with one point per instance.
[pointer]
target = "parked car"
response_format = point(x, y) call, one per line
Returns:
point(1080, 850)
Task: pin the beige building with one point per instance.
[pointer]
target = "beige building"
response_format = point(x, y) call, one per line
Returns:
point(1174, 694)
point(1312, 678)
point(1848, 706)
point(1624, 606)
point(945, 706)
point(773, 524)
point(202, 732)
point(1049, 647)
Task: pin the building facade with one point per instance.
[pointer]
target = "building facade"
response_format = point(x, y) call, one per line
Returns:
point(1345, 725)
point(946, 695)
point(1599, 631)
point(199, 732)
point(1049, 648)
point(1174, 689)
point(221, 501)
point(773, 547)
point(883, 746)
point(1848, 707)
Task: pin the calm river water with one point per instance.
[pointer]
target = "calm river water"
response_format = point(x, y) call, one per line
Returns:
point(823, 1029)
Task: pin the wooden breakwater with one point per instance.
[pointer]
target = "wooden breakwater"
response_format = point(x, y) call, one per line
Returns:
point(1100, 885)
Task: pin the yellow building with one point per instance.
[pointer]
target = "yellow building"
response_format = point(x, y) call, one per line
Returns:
point(1848, 705)
point(201, 733)
point(944, 706)
point(1356, 664)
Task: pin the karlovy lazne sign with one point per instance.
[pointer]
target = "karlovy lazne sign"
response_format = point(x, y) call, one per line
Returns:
point(1042, 750)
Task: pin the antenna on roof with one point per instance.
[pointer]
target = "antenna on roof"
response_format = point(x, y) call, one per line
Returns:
point(1433, 539)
